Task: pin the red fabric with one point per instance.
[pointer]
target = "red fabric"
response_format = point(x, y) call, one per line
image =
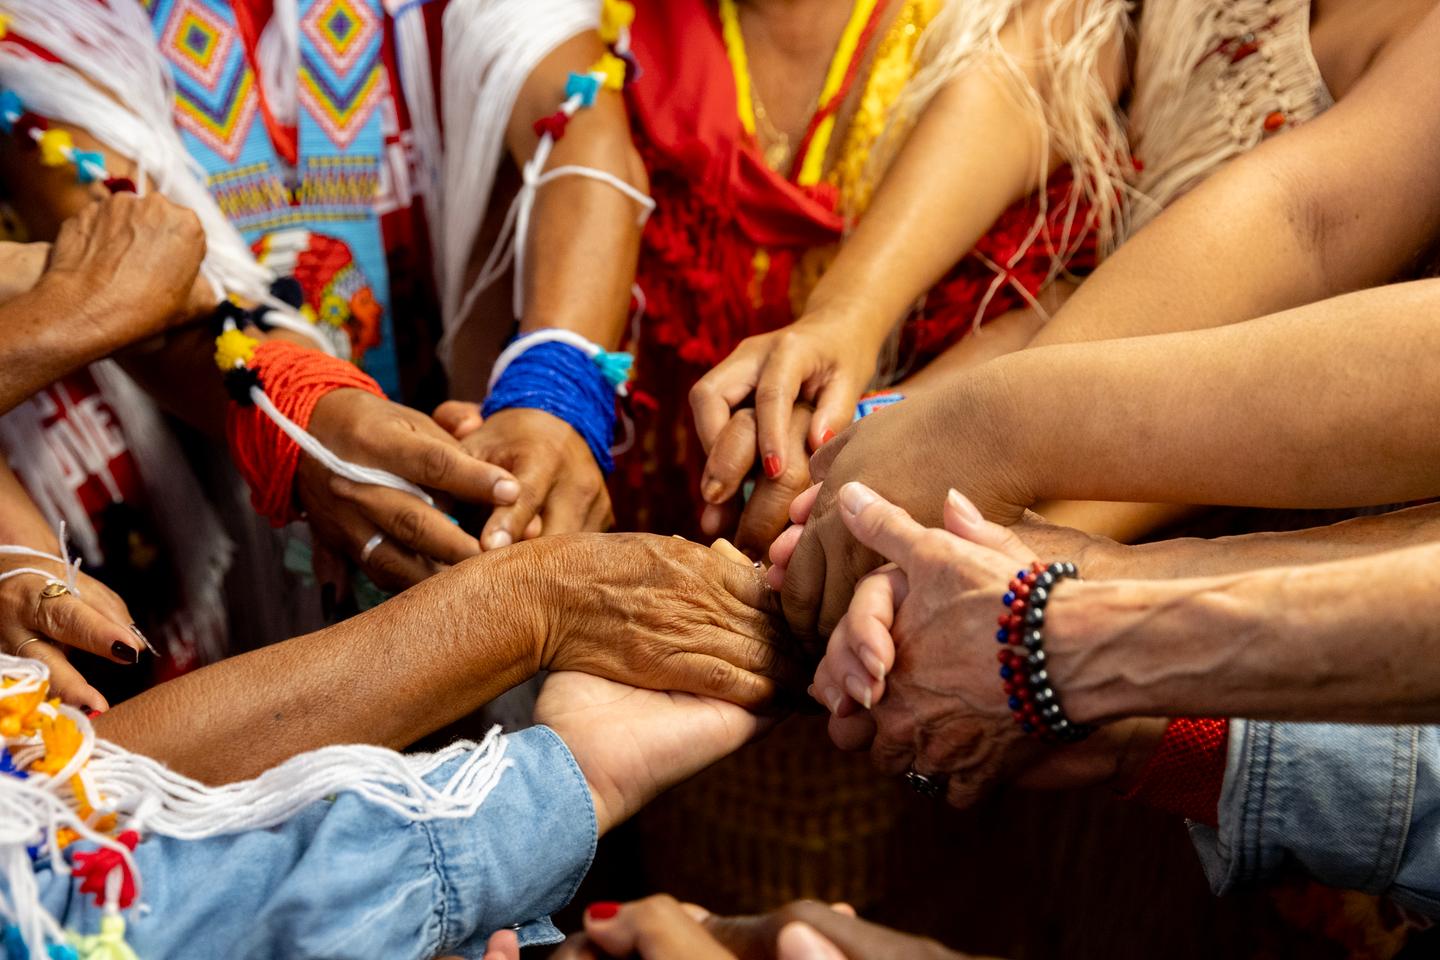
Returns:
point(295, 378)
point(1187, 770)
point(717, 204)
point(95, 868)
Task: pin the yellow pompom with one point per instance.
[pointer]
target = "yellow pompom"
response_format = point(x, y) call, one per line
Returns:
point(55, 147)
point(612, 68)
point(615, 15)
point(4, 26)
point(62, 738)
point(234, 348)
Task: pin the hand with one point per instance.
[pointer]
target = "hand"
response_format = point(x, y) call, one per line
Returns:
point(656, 612)
point(132, 263)
point(763, 516)
point(907, 453)
point(561, 487)
point(824, 359)
point(93, 619)
point(659, 928)
point(633, 744)
point(419, 539)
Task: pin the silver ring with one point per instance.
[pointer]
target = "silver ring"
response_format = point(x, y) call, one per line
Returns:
point(26, 644)
point(370, 546)
point(923, 785)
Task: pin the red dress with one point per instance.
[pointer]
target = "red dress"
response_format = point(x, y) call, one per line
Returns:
point(717, 205)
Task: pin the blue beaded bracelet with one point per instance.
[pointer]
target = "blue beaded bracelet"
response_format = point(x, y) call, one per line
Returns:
point(563, 381)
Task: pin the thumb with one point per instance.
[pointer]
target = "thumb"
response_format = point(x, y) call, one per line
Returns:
point(879, 524)
point(964, 519)
point(800, 941)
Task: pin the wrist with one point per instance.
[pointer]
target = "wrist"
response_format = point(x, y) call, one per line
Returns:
point(858, 322)
point(1089, 638)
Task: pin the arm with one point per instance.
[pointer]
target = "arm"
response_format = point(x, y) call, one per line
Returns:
point(1139, 419)
point(1349, 641)
point(1346, 201)
point(581, 251)
point(650, 611)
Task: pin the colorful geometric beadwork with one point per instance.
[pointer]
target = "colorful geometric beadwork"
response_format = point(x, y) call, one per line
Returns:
point(215, 95)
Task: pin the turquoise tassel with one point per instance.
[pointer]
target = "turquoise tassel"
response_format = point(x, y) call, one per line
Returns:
point(10, 110)
point(614, 366)
point(585, 85)
point(90, 165)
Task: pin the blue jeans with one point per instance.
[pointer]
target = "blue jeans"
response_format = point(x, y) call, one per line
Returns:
point(1352, 806)
point(349, 879)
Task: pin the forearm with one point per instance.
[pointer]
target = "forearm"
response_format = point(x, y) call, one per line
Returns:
point(21, 522)
point(585, 235)
point(977, 148)
point(1139, 419)
point(421, 660)
point(1344, 202)
point(1351, 641)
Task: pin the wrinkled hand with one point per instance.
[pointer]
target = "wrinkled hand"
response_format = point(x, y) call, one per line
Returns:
point(764, 514)
point(132, 265)
point(909, 454)
point(916, 648)
point(94, 620)
point(633, 744)
point(419, 539)
point(655, 612)
point(660, 928)
point(561, 487)
point(822, 359)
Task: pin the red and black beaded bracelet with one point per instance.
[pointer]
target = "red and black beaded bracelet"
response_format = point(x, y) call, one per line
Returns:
point(1032, 700)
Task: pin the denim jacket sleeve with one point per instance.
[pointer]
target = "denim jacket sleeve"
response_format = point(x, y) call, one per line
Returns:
point(347, 879)
point(1352, 806)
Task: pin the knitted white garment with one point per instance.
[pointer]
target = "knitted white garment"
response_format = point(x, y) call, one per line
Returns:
point(149, 798)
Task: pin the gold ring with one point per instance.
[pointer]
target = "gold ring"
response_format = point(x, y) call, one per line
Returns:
point(54, 589)
point(27, 643)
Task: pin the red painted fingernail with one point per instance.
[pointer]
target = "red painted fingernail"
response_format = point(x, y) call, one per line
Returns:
point(772, 466)
point(605, 910)
point(829, 435)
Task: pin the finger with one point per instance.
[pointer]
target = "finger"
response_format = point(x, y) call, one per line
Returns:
point(567, 508)
point(732, 455)
point(784, 546)
point(871, 618)
point(657, 929)
point(890, 753)
point(854, 733)
point(765, 515)
point(728, 550)
point(964, 519)
point(533, 529)
point(879, 524)
point(407, 521)
point(576, 947)
point(459, 418)
point(332, 573)
point(601, 517)
point(822, 458)
point(804, 585)
point(803, 504)
point(775, 396)
point(716, 394)
point(70, 620)
point(713, 677)
point(65, 681)
point(746, 584)
point(719, 519)
point(800, 941)
point(536, 473)
point(422, 453)
point(834, 411)
point(394, 569)
point(503, 945)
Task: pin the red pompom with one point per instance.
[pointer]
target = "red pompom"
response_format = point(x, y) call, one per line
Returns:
point(95, 868)
point(554, 125)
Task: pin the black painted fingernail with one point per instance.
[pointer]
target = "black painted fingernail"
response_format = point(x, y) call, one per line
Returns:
point(327, 601)
point(125, 652)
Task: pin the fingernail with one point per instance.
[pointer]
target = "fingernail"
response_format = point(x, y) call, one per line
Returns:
point(962, 505)
point(855, 497)
point(496, 540)
point(470, 425)
point(772, 466)
point(605, 910)
point(124, 652)
point(858, 690)
point(833, 698)
point(873, 663)
point(506, 491)
point(145, 640)
point(710, 490)
point(327, 602)
point(829, 435)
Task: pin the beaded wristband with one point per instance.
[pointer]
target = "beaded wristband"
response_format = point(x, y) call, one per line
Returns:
point(1032, 700)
